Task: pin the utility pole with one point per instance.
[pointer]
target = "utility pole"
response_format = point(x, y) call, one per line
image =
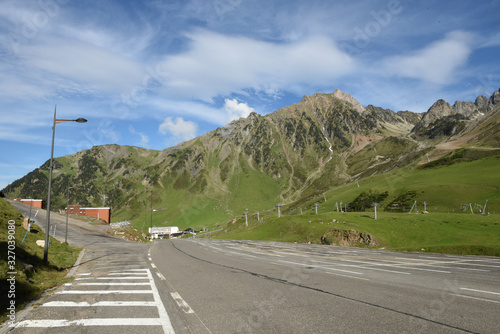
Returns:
point(151, 211)
point(375, 205)
point(67, 214)
point(279, 210)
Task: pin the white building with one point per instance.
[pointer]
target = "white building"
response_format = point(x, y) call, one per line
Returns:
point(158, 232)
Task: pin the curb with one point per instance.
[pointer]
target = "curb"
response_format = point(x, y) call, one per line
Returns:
point(74, 268)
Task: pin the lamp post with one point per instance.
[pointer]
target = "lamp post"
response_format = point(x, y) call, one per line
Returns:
point(56, 121)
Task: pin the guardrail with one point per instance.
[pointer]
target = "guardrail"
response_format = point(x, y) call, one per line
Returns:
point(207, 233)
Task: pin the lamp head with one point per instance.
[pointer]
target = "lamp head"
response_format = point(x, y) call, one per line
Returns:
point(80, 120)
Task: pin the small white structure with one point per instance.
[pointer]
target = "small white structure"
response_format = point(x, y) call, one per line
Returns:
point(158, 232)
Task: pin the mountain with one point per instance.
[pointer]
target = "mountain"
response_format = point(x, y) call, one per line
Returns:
point(289, 156)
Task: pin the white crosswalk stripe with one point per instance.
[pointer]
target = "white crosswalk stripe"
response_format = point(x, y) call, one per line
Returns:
point(120, 285)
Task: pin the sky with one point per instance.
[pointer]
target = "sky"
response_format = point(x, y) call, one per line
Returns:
point(155, 73)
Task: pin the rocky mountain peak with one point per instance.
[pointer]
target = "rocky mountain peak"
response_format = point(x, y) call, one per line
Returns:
point(495, 98)
point(349, 99)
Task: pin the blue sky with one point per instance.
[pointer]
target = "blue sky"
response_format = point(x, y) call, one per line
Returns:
point(154, 73)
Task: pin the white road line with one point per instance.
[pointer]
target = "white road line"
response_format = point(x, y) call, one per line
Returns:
point(166, 324)
point(111, 278)
point(322, 267)
point(369, 264)
point(242, 254)
point(181, 302)
point(152, 265)
point(121, 271)
point(85, 274)
point(97, 304)
point(482, 291)
point(103, 292)
point(118, 268)
point(161, 276)
point(477, 298)
point(94, 322)
point(125, 273)
point(348, 276)
point(360, 267)
point(121, 284)
point(398, 264)
point(444, 267)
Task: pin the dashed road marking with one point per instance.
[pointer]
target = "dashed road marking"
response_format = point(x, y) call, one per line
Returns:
point(181, 302)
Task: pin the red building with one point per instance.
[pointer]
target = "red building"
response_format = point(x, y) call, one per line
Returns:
point(99, 213)
point(37, 203)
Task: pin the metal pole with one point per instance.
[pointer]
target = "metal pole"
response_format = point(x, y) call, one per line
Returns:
point(31, 204)
point(67, 213)
point(484, 208)
point(47, 231)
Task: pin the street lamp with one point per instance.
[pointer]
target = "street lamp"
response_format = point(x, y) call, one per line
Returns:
point(47, 232)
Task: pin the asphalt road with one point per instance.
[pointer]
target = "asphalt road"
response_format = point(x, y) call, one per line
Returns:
point(266, 287)
point(218, 286)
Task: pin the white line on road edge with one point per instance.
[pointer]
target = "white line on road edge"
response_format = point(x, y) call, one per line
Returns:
point(152, 265)
point(103, 303)
point(162, 312)
point(161, 276)
point(181, 302)
point(494, 293)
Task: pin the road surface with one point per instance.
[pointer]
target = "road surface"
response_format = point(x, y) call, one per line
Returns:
point(219, 286)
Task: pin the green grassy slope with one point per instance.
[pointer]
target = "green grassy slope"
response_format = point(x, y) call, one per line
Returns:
point(30, 284)
point(446, 228)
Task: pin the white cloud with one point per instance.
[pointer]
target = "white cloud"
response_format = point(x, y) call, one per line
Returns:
point(436, 63)
point(219, 65)
point(83, 63)
point(144, 139)
point(235, 110)
point(194, 109)
point(179, 128)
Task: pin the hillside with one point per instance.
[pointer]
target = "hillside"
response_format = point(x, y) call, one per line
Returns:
point(291, 156)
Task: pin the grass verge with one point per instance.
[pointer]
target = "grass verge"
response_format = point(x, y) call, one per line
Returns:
point(451, 233)
point(32, 276)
